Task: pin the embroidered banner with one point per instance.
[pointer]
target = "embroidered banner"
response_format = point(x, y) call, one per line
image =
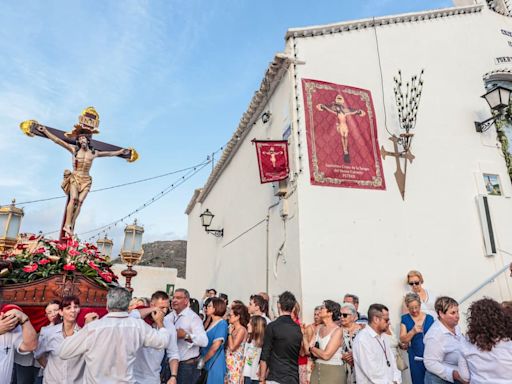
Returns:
point(342, 136)
point(272, 160)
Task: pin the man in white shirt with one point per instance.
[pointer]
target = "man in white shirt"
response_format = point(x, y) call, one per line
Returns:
point(109, 345)
point(373, 359)
point(16, 333)
point(191, 336)
point(148, 361)
point(258, 306)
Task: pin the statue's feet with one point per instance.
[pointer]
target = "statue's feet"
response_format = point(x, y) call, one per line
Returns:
point(68, 230)
point(346, 158)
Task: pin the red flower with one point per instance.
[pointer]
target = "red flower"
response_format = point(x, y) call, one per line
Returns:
point(62, 247)
point(39, 250)
point(72, 243)
point(106, 276)
point(21, 246)
point(43, 261)
point(93, 265)
point(30, 268)
point(69, 267)
point(73, 252)
point(33, 237)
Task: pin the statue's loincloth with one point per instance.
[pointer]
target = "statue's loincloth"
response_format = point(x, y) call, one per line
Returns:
point(82, 182)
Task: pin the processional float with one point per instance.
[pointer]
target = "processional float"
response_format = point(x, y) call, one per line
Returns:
point(35, 270)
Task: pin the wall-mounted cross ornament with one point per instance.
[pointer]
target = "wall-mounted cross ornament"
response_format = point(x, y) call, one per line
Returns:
point(407, 102)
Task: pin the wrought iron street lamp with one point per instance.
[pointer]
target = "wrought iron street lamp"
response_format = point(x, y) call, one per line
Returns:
point(10, 222)
point(132, 251)
point(206, 221)
point(105, 247)
point(498, 99)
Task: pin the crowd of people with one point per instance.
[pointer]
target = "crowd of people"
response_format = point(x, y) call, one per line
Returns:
point(181, 340)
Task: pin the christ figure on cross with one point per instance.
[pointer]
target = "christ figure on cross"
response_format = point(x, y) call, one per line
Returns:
point(272, 153)
point(77, 183)
point(341, 111)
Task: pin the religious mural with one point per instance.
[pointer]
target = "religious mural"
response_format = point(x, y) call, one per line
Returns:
point(342, 138)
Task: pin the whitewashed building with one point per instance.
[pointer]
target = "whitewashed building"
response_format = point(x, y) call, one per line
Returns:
point(322, 241)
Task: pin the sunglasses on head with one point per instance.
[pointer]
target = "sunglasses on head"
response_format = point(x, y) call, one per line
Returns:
point(414, 283)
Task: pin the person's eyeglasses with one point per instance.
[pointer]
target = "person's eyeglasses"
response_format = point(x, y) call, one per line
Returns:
point(386, 320)
point(411, 283)
point(345, 315)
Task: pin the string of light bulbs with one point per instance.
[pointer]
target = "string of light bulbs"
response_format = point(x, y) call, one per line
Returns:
point(191, 172)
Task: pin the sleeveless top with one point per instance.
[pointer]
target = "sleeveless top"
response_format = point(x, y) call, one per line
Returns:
point(323, 342)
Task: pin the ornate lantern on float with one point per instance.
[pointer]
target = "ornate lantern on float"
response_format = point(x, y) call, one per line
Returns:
point(105, 247)
point(131, 252)
point(10, 222)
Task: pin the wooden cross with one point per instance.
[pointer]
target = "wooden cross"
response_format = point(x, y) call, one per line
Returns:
point(400, 176)
point(77, 183)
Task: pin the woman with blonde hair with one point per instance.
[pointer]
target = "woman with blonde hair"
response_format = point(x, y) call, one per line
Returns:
point(427, 297)
point(252, 350)
point(443, 344)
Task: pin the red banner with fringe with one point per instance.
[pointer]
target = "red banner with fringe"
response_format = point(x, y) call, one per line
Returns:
point(272, 159)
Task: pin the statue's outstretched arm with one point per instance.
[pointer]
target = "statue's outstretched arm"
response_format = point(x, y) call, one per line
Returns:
point(122, 151)
point(55, 139)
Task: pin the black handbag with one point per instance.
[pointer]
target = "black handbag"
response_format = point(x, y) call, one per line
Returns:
point(203, 377)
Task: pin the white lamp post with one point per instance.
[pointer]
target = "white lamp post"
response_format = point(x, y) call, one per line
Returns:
point(498, 99)
point(105, 247)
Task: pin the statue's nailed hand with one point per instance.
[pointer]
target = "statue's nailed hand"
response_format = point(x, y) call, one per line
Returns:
point(127, 152)
point(41, 128)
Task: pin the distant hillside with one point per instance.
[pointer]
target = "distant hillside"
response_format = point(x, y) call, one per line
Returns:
point(170, 254)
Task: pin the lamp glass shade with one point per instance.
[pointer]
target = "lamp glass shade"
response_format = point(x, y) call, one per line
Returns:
point(10, 221)
point(13, 228)
point(3, 225)
point(206, 218)
point(105, 247)
point(497, 98)
point(133, 239)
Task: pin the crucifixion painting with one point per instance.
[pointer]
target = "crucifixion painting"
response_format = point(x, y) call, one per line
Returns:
point(77, 182)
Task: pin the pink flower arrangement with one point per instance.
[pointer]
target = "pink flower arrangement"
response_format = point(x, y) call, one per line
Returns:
point(30, 268)
point(39, 258)
point(69, 267)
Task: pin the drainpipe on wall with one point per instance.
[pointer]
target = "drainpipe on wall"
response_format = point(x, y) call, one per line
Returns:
point(267, 272)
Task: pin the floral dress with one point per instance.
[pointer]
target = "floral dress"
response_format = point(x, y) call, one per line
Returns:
point(348, 341)
point(235, 365)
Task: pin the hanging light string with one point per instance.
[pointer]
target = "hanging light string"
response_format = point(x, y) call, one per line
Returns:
point(107, 227)
point(119, 185)
point(191, 172)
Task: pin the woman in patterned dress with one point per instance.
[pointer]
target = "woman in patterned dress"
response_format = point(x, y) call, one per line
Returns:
point(237, 334)
point(350, 329)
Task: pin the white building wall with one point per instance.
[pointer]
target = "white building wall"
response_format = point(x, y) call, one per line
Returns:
point(236, 264)
point(365, 241)
point(148, 279)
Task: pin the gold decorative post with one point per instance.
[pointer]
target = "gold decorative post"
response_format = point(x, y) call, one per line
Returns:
point(131, 252)
point(10, 222)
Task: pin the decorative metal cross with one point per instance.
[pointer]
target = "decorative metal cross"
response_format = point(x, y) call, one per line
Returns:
point(407, 104)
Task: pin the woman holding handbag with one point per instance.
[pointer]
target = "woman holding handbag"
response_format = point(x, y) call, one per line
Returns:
point(212, 356)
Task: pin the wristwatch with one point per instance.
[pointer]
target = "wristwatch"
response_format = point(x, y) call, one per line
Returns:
point(187, 337)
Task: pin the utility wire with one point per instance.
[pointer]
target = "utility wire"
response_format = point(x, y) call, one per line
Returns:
point(123, 184)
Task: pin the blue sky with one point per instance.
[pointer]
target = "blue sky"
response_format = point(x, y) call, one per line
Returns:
point(171, 78)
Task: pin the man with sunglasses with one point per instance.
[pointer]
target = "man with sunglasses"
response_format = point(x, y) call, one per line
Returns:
point(373, 359)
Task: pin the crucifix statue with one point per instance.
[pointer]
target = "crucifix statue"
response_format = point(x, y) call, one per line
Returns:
point(77, 182)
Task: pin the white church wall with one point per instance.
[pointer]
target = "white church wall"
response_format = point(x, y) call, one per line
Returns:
point(236, 263)
point(365, 241)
